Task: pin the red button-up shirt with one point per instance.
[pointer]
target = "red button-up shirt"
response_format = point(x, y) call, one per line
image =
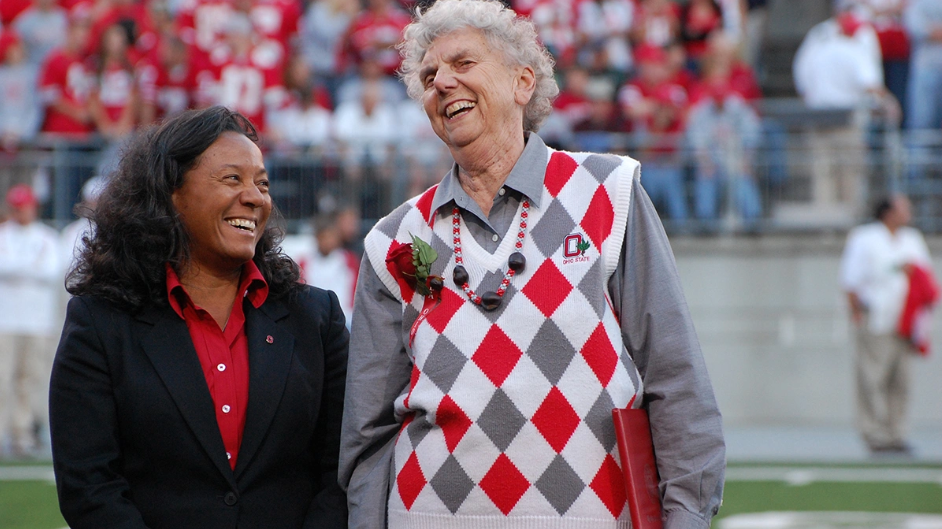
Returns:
point(223, 353)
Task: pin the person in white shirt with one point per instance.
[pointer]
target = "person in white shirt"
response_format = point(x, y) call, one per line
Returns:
point(29, 277)
point(874, 276)
point(839, 67)
point(327, 264)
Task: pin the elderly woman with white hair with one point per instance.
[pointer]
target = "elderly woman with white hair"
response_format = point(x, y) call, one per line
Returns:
point(502, 314)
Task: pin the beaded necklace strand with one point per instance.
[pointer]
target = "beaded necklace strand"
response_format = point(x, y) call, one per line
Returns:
point(516, 263)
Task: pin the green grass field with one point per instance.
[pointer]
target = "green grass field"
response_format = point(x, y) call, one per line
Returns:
point(749, 489)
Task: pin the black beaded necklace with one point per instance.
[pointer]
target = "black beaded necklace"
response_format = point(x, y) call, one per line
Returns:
point(515, 263)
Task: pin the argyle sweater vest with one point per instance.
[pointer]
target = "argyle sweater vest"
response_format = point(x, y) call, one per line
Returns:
point(506, 422)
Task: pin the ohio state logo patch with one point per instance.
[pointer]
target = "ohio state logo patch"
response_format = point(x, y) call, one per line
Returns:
point(574, 247)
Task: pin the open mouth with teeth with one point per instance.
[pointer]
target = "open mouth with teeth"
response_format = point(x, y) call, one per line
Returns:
point(456, 109)
point(242, 224)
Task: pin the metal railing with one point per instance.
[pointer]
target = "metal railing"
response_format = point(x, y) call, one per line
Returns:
point(806, 180)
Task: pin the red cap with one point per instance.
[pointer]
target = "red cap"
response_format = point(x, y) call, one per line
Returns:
point(849, 23)
point(650, 54)
point(20, 196)
point(7, 38)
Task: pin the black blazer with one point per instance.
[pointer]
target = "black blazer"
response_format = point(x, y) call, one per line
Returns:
point(134, 434)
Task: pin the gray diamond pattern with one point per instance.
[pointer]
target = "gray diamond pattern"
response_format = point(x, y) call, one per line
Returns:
point(444, 255)
point(501, 420)
point(599, 420)
point(590, 285)
point(391, 223)
point(409, 314)
point(548, 236)
point(418, 429)
point(601, 165)
point(444, 363)
point(551, 351)
point(630, 367)
point(452, 484)
point(560, 485)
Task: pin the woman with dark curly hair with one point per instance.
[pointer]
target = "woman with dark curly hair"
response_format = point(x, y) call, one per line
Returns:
point(197, 382)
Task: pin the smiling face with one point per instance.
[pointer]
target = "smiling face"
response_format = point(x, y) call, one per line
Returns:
point(224, 204)
point(471, 94)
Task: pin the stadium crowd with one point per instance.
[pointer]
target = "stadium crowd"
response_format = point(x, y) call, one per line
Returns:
point(318, 79)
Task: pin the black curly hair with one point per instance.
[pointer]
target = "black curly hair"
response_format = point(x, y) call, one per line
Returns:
point(138, 230)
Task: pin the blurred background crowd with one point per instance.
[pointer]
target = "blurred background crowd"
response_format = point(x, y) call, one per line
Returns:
point(749, 116)
point(691, 87)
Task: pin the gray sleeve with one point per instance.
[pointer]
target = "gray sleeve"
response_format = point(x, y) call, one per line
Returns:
point(685, 422)
point(377, 373)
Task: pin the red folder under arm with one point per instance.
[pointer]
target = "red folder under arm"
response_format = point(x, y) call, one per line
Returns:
point(636, 451)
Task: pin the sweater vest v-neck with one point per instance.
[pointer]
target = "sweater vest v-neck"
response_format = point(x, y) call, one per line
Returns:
point(506, 421)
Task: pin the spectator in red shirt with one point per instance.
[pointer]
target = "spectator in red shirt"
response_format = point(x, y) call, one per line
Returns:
point(167, 84)
point(657, 22)
point(201, 24)
point(135, 17)
point(303, 121)
point(273, 20)
point(214, 378)
point(114, 102)
point(721, 63)
point(65, 84)
point(242, 76)
point(10, 9)
point(637, 97)
point(375, 33)
point(660, 139)
point(699, 19)
point(573, 103)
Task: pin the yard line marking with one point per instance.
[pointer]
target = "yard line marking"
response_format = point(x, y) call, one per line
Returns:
point(27, 473)
point(830, 520)
point(806, 475)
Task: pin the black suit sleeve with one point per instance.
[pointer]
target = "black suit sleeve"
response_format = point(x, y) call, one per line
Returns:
point(329, 507)
point(84, 427)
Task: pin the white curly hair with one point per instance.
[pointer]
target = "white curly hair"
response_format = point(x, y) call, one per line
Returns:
point(513, 36)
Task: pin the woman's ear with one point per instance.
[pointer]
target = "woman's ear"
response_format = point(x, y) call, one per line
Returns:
point(524, 85)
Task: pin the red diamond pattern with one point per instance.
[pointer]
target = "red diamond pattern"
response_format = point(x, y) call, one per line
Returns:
point(444, 311)
point(600, 355)
point(558, 172)
point(424, 204)
point(547, 288)
point(413, 380)
point(504, 484)
point(556, 419)
point(453, 422)
point(497, 355)
point(597, 221)
point(609, 486)
point(410, 481)
point(405, 423)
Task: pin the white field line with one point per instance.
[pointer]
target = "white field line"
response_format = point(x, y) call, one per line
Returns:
point(27, 473)
point(806, 475)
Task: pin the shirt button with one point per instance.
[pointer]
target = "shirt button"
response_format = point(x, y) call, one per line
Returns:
point(494, 237)
point(502, 192)
point(228, 455)
point(225, 408)
point(231, 499)
point(221, 367)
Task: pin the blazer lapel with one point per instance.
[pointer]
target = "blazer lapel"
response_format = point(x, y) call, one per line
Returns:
point(171, 351)
point(271, 349)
